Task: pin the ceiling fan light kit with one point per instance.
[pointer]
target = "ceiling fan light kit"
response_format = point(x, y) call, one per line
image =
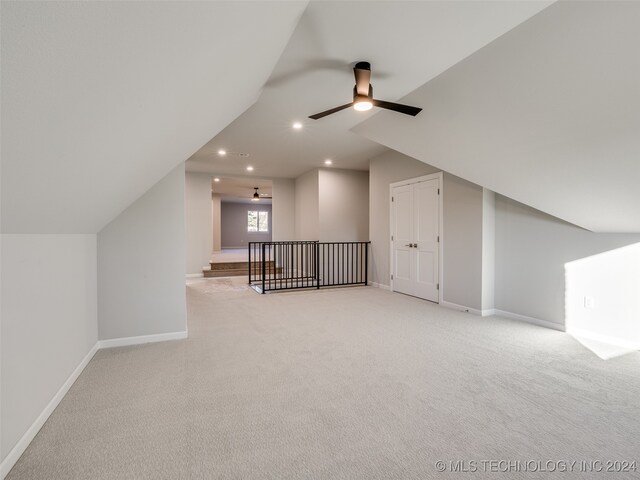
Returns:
point(363, 96)
point(362, 104)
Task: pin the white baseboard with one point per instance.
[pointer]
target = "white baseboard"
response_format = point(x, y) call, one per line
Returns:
point(534, 321)
point(380, 285)
point(194, 275)
point(618, 342)
point(15, 453)
point(460, 308)
point(501, 313)
point(126, 341)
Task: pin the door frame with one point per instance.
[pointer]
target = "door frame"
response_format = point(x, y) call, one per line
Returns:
point(434, 176)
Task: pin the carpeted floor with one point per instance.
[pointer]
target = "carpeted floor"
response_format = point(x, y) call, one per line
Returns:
point(221, 284)
point(354, 383)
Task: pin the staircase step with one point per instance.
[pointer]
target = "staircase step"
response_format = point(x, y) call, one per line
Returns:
point(238, 265)
point(237, 269)
point(224, 273)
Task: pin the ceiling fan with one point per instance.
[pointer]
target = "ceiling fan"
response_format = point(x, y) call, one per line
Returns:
point(363, 96)
point(257, 196)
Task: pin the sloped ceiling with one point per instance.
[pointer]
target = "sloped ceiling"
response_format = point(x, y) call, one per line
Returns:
point(548, 114)
point(407, 43)
point(101, 99)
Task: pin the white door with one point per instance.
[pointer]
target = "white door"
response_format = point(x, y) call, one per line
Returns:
point(415, 238)
point(402, 228)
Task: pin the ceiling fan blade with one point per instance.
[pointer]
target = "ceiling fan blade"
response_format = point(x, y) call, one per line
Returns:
point(329, 112)
point(397, 107)
point(362, 72)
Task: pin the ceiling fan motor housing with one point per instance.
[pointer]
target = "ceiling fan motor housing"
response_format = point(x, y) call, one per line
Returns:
point(357, 97)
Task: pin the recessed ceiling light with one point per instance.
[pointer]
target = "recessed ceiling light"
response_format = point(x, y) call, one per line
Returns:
point(328, 162)
point(297, 125)
point(249, 168)
point(216, 179)
point(222, 152)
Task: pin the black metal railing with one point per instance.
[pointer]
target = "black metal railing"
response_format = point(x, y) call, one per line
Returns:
point(281, 256)
point(307, 264)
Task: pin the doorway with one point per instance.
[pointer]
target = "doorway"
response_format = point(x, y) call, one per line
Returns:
point(416, 238)
point(242, 213)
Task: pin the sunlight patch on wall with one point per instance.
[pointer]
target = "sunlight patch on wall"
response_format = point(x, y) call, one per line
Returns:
point(602, 301)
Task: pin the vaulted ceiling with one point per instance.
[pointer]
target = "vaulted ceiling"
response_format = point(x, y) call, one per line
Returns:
point(407, 44)
point(548, 114)
point(100, 100)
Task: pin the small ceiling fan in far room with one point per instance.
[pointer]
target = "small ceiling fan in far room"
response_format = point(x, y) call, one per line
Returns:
point(363, 96)
point(257, 196)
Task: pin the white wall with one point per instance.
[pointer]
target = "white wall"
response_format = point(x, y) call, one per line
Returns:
point(216, 220)
point(1, 275)
point(611, 280)
point(49, 322)
point(531, 251)
point(332, 205)
point(199, 220)
point(283, 208)
point(488, 249)
point(343, 205)
point(462, 236)
point(141, 264)
point(307, 209)
point(462, 273)
point(234, 224)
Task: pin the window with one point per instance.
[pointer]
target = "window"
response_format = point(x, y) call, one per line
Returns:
point(257, 221)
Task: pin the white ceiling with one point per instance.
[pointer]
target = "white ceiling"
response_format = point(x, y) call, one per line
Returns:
point(100, 100)
point(241, 189)
point(548, 114)
point(407, 44)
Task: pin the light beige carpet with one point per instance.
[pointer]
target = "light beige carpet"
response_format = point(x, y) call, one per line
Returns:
point(354, 383)
point(219, 284)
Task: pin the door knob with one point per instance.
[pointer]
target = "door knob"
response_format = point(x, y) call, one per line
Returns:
point(410, 245)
